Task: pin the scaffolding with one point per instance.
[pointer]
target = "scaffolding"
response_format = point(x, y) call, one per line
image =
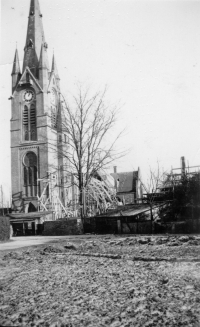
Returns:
point(98, 197)
point(178, 175)
point(50, 200)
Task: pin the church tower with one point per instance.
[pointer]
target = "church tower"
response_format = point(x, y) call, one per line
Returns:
point(36, 122)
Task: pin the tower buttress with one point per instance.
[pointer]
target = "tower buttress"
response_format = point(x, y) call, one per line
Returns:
point(16, 72)
point(43, 68)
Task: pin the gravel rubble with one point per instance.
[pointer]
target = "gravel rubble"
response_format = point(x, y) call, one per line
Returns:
point(109, 281)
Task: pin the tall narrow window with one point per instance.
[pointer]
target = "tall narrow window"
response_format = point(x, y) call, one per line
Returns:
point(30, 181)
point(29, 122)
point(25, 123)
point(53, 117)
point(26, 180)
point(35, 179)
point(33, 122)
point(35, 175)
point(30, 174)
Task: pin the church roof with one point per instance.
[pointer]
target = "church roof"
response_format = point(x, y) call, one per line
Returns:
point(126, 181)
point(23, 80)
point(35, 37)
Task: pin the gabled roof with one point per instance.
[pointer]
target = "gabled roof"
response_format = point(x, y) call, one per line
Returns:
point(126, 181)
point(23, 80)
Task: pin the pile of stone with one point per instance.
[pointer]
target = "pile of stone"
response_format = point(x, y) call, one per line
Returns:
point(155, 240)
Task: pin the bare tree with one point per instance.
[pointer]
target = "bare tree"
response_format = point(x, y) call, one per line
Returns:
point(88, 122)
point(155, 183)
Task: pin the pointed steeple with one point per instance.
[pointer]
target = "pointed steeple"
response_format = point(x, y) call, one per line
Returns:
point(16, 65)
point(43, 62)
point(35, 38)
point(16, 72)
point(54, 67)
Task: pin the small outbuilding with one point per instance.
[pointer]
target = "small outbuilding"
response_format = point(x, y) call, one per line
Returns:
point(30, 223)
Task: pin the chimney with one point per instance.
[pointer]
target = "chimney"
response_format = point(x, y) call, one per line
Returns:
point(182, 166)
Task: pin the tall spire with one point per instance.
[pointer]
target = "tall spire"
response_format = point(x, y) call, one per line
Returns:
point(54, 67)
point(16, 65)
point(35, 38)
point(16, 72)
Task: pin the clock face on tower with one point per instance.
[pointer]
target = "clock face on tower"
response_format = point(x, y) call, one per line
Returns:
point(53, 97)
point(28, 95)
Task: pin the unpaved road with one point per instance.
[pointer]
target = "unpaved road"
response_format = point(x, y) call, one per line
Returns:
point(22, 241)
point(102, 281)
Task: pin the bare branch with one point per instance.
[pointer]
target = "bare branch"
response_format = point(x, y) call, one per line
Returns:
point(87, 121)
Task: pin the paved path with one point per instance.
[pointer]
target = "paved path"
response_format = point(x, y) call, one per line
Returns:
point(20, 242)
point(24, 241)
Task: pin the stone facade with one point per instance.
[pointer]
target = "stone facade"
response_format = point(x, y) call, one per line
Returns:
point(36, 121)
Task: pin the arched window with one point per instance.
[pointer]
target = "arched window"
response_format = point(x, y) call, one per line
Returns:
point(29, 123)
point(25, 123)
point(33, 122)
point(53, 118)
point(26, 181)
point(30, 174)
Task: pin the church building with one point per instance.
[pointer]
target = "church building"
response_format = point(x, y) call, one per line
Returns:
point(39, 182)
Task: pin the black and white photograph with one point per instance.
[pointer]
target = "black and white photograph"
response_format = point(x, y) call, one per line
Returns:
point(100, 163)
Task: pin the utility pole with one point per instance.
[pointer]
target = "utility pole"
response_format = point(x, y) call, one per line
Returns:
point(2, 200)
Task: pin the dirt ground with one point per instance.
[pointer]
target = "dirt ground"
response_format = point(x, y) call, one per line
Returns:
point(102, 281)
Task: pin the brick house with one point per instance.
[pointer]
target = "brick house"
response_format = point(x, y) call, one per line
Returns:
point(128, 186)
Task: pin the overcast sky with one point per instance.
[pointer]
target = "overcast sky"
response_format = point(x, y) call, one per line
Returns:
point(147, 52)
